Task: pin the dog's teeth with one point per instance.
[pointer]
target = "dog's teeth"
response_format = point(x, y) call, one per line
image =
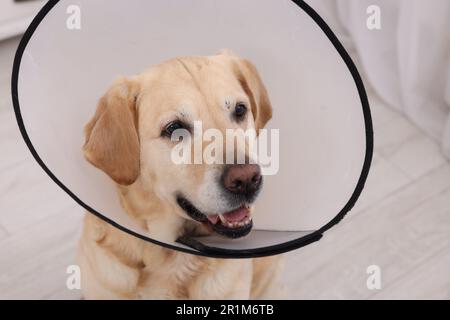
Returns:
point(234, 224)
point(222, 219)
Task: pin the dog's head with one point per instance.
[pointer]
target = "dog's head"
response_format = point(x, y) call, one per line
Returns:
point(130, 138)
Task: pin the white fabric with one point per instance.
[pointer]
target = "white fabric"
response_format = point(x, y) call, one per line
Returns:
point(407, 62)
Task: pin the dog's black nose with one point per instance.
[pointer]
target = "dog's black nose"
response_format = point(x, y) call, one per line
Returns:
point(242, 178)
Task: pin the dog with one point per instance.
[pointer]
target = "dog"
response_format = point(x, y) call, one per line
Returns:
point(129, 139)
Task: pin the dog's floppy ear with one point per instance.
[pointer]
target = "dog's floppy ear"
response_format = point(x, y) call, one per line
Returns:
point(112, 141)
point(253, 86)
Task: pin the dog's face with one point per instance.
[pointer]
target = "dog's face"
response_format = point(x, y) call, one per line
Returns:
point(131, 137)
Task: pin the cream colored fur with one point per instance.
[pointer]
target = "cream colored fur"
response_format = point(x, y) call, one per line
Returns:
point(123, 139)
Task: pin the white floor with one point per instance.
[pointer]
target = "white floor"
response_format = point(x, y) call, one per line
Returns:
point(401, 224)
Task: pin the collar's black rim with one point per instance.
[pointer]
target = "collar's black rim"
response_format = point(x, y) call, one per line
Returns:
point(204, 250)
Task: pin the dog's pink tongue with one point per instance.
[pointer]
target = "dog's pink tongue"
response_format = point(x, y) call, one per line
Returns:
point(236, 215)
point(213, 218)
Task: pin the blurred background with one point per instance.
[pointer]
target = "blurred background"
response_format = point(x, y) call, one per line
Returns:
point(400, 226)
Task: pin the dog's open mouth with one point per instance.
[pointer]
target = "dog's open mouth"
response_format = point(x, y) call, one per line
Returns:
point(233, 224)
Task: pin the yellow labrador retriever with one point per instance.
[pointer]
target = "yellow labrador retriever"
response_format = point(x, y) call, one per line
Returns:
point(129, 138)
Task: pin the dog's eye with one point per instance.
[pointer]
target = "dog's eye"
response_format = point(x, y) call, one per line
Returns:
point(171, 127)
point(240, 111)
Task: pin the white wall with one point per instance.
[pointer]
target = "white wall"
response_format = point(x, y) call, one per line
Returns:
point(16, 16)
